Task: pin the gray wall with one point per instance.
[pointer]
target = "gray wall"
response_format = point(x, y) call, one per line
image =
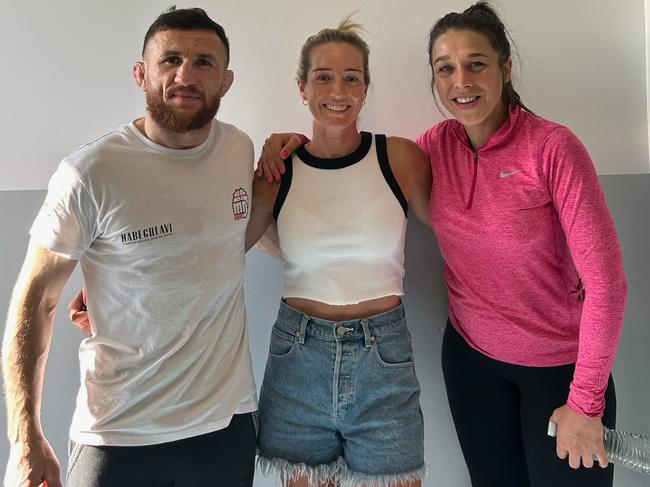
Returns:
point(629, 199)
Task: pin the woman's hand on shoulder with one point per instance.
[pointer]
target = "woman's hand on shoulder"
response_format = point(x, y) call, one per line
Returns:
point(277, 147)
point(412, 169)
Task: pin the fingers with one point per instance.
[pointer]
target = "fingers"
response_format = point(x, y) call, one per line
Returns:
point(32, 464)
point(575, 459)
point(601, 456)
point(276, 148)
point(270, 161)
point(587, 459)
point(81, 320)
point(77, 304)
point(33, 479)
point(52, 475)
point(77, 312)
point(579, 438)
point(53, 482)
point(268, 167)
point(583, 456)
point(291, 146)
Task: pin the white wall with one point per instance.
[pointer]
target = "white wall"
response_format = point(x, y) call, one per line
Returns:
point(65, 76)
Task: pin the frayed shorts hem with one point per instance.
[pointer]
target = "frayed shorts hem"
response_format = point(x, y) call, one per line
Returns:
point(337, 471)
point(316, 474)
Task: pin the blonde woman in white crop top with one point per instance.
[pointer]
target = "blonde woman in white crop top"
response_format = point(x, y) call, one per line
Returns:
point(340, 400)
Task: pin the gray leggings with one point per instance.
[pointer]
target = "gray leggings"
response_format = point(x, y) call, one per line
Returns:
point(225, 458)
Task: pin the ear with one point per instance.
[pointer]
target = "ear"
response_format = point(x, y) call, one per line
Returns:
point(301, 89)
point(138, 74)
point(507, 71)
point(226, 82)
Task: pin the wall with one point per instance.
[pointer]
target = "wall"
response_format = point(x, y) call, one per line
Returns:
point(67, 76)
point(66, 80)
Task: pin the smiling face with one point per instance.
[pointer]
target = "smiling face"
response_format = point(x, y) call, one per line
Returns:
point(184, 75)
point(335, 88)
point(469, 80)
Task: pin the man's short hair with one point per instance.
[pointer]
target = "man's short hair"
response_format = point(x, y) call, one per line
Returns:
point(186, 19)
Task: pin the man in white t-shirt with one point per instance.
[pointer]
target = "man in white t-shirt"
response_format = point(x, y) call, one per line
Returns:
point(155, 211)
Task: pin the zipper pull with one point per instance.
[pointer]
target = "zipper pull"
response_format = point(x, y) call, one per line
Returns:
point(470, 201)
point(581, 290)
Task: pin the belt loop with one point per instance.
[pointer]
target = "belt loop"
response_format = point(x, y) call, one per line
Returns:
point(303, 329)
point(366, 333)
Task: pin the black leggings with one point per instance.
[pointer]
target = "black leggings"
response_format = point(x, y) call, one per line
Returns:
point(224, 458)
point(501, 414)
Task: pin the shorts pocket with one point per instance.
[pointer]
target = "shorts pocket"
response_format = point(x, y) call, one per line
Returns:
point(393, 348)
point(256, 423)
point(74, 450)
point(282, 343)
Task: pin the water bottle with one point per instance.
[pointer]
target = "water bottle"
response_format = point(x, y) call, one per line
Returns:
point(625, 449)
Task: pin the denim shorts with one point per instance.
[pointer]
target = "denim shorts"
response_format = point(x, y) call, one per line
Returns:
point(340, 401)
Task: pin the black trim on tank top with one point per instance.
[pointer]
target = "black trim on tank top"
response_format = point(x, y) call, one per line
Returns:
point(384, 164)
point(337, 162)
point(285, 184)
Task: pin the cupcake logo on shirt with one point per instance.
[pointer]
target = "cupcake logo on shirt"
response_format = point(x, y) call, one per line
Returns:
point(240, 204)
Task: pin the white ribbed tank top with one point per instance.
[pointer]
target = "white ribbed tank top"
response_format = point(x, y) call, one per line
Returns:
point(342, 224)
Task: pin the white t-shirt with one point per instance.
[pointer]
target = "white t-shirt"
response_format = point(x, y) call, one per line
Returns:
point(160, 236)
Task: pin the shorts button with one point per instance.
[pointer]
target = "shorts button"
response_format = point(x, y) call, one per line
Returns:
point(340, 330)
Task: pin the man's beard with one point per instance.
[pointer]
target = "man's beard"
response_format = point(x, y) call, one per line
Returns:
point(168, 118)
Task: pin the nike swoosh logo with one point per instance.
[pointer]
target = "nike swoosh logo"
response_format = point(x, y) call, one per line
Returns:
point(505, 174)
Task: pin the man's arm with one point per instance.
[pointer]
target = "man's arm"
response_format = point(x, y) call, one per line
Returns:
point(264, 195)
point(25, 347)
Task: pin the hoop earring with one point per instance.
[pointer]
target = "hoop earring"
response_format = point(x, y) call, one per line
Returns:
point(305, 101)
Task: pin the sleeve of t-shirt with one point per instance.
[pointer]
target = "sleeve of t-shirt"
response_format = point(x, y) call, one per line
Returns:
point(66, 222)
point(594, 246)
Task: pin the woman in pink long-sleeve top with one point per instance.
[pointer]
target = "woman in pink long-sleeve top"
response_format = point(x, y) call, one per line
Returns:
point(532, 266)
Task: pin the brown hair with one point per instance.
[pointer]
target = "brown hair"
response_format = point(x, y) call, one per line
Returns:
point(483, 18)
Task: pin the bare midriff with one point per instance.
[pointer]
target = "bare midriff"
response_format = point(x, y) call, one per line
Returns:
point(344, 312)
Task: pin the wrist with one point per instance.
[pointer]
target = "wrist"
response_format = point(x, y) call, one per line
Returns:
point(576, 408)
point(27, 431)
